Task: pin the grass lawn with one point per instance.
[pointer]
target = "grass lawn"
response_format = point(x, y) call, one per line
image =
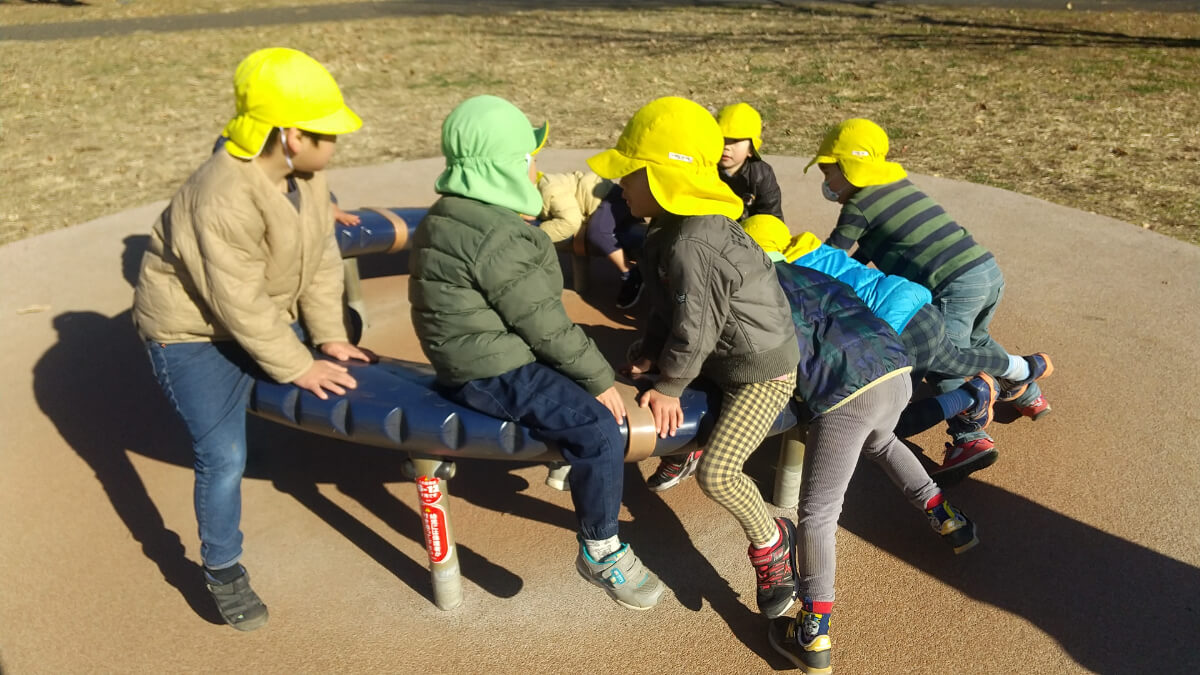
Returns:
point(1093, 110)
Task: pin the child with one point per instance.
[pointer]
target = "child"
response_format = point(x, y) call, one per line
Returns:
point(571, 201)
point(245, 247)
point(904, 306)
point(742, 168)
point(853, 381)
point(715, 308)
point(904, 232)
point(486, 295)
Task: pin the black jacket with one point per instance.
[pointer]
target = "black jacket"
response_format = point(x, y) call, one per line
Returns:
point(755, 183)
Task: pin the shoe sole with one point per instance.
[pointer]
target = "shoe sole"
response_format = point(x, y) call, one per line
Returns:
point(811, 670)
point(1039, 415)
point(588, 578)
point(955, 474)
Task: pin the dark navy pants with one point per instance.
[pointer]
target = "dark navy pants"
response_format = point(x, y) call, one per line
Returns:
point(557, 410)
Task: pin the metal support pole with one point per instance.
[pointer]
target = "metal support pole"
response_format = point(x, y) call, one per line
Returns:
point(354, 295)
point(791, 467)
point(439, 535)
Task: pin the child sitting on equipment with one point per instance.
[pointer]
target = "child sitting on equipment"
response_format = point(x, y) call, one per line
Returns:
point(904, 232)
point(486, 295)
point(742, 167)
point(571, 201)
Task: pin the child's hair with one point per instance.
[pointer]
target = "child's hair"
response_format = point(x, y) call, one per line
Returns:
point(679, 144)
point(859, 147)
point(741, 121)
point(283, 88)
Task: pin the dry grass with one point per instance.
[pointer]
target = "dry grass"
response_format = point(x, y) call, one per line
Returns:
point(1092, 110)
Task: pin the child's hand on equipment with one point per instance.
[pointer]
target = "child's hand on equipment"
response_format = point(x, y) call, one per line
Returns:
point(668, 414)
point(636, 368)
point(344, 351)
point(323, 375)
point(343, 218)
point(610, 399)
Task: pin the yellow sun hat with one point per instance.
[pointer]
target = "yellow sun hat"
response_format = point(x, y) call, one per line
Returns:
point(770, 233)
point(280, 87)
point(679, 144)
point(860, 148)
point(739, 121)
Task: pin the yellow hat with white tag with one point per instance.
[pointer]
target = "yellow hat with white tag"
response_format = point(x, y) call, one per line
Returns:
point(859, 147)
point(679, 143)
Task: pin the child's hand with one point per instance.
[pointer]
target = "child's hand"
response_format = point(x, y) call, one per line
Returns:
point(668, 414)
point(344, 351)
point(324, 375)
point(343, 218)
point(610, 399)
point(637, 368)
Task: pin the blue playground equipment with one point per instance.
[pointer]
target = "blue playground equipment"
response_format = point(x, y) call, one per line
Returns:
point(396, 405)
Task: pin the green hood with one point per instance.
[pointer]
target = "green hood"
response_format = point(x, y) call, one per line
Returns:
point(487, 142)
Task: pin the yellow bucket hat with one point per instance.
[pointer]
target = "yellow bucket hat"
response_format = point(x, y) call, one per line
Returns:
point(739, 121)
point(279, 87)
point(679, 144)
point(860, 148)
point(770, 233)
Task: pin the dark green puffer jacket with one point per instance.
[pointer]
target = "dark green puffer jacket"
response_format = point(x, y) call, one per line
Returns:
point(486, 295)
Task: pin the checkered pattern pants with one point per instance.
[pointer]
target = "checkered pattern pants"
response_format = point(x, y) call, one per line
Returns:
point(747, 413)
point(930, 350)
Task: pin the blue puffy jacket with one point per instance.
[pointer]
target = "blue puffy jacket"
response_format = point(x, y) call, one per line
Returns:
point(893, 299)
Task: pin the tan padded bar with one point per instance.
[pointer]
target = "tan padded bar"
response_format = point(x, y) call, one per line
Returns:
point(642, 436)
point(398, 223)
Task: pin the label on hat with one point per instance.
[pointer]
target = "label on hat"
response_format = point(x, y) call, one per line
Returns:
point(680, 158)
point(860, 153)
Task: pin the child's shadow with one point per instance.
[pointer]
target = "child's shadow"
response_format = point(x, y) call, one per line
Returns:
point(1113, 605)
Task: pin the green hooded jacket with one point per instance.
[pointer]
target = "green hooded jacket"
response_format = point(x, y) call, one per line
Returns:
point(485, 286)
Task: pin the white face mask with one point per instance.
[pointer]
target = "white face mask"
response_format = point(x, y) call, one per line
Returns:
point(286, 155)
point(828, 193)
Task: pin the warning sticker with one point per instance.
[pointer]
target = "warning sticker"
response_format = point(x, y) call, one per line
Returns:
point(435, 533)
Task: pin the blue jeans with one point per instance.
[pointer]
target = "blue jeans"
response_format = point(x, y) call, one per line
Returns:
point(209, 385)
point(557, 410)
point(968, 304)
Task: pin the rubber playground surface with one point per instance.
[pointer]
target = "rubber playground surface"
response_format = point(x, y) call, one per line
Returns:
point(1089, 559)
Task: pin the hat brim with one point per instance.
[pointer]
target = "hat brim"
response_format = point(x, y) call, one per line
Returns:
point(247, 136)
point(341, 121)
point(612, 164)
point(691, 194)
point(540, 134)
point(820, 159)
point(865, 173)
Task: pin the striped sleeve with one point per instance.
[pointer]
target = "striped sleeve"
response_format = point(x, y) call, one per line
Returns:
point(850, 227)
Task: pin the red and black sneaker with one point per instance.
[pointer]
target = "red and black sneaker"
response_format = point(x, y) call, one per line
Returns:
point(776, 570)
point(1035, 410)
point(672, 470)
point(964, 458)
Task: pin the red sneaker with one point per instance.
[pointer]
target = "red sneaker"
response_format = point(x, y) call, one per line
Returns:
point(1036, 409)
point(964, 458)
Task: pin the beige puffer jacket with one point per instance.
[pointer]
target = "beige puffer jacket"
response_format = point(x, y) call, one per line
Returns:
point(231, 258)
point(568, 200)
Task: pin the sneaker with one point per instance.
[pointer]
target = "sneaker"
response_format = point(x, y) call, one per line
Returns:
point(983, 389)
point(1040, 367)
point(672, 470)
point(239, 605)
point(964, 458)
point(631, 289)
point(776, 570)
point(954, 526)
point(622, 576)
point(1036, 409)
point(557, 477)
point(803, 640)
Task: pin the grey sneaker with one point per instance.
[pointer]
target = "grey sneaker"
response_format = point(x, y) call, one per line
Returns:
point(557, 477)
point(238, 603)
point(673, 470)
point(622, 576)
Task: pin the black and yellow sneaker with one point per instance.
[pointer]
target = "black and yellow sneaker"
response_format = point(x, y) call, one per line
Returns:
point(803, 640)
point(954, 526)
